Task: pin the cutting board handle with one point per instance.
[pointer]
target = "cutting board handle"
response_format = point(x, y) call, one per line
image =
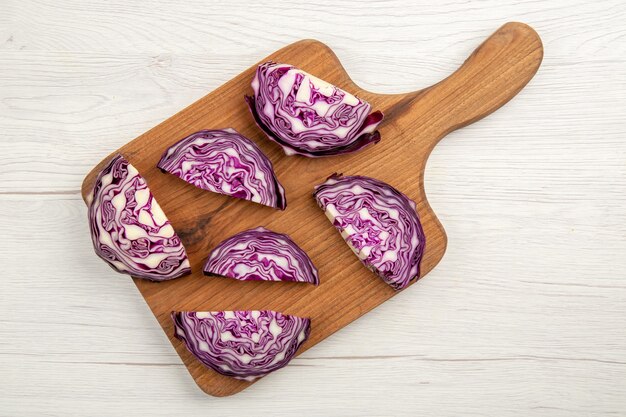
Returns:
point(495, 72)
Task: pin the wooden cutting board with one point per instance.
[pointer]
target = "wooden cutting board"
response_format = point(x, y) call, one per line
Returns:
point(414, 123)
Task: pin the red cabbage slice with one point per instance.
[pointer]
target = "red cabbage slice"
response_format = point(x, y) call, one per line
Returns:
point(308, 116)
point(378, 222)
point(128, 228)
point(225, 162)
point(261, 255)
point(242, 344)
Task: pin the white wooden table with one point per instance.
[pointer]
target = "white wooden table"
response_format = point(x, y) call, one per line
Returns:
point(525, 315)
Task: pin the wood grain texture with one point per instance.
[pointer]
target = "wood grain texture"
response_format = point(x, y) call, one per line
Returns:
point(415, 122)
point(523, 316)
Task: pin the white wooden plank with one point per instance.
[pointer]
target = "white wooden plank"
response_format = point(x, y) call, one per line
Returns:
point(56, 131)
point(73, 124)
point(474, 321)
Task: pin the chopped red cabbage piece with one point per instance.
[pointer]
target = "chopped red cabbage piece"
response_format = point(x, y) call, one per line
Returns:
point(308, 116)
point(261, 255)
point(128, 228)
point(379, 223)
point(225, 162)
point(241, 344)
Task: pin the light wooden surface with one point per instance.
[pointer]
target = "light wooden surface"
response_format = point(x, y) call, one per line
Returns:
point(494, 73)
point(526, 313)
